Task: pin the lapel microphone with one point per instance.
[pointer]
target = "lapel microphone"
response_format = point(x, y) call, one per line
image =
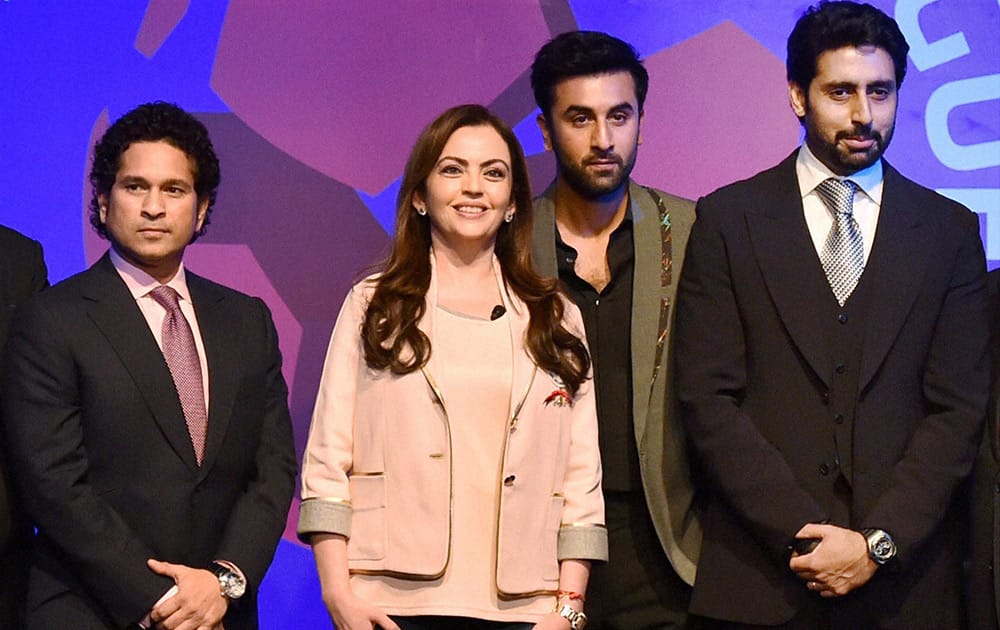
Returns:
point(497, 312)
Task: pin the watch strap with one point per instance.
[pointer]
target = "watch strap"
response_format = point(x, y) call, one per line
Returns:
point(577, 620)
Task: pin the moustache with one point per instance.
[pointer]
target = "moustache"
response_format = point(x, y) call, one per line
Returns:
point(860, 133)
point(603, 157)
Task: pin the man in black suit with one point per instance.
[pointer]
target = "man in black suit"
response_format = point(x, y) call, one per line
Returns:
point(984, 547)
point(833, 375)
point(22, 274)
point(146, 414)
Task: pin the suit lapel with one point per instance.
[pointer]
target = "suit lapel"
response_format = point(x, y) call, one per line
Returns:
point(788, 263)
point(221, 340)
point(115, 313)
point(897, 265)
point(524, 368)
point(543, 239)
point(649, 307)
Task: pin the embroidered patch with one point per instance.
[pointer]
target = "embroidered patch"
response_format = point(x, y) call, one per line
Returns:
point(666, 248)
point(559, 398)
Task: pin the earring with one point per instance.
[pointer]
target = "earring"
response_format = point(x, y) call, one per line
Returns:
point(422, 211)
point(509, 217)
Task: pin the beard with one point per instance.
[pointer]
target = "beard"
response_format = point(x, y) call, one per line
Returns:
point(590, 185)
point(841, 159)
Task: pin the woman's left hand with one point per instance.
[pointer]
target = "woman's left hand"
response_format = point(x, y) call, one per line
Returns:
point(552, 621)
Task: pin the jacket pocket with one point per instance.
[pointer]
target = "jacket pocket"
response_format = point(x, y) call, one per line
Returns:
point(368, 527)
point(550, 560)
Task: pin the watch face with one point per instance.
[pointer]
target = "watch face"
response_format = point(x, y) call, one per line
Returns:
point(232, 586)
point(882, 547)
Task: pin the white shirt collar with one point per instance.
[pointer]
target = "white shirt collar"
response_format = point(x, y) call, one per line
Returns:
point(811, 173)
point(140, 283)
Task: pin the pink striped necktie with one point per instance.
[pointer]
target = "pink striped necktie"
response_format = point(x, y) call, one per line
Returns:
point(185, 367)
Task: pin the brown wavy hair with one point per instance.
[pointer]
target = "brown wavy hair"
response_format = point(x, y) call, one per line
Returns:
point(390, 336)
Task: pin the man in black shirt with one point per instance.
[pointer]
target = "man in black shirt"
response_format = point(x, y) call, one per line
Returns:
point(618, 248)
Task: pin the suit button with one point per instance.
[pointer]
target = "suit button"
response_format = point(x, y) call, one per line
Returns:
point(839, 418)
point(826, 398)
point(824, 470)
point(842, 318)
point(840, 368)
point(509, 480)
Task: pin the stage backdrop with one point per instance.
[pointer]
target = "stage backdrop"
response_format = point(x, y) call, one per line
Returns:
point(313, 105)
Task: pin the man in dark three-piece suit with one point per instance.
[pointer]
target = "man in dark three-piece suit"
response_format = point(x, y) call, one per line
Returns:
point(22, 274)
point(831, 351)
point(145, 411)
point(618, 248)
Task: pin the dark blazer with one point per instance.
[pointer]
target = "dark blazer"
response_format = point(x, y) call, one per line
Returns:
point(101, 454)
point(22, 274)
point(984, 547)
point(755, 372)
point(661, 223)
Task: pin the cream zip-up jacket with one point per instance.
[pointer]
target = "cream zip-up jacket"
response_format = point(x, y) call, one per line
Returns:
point(378, 464)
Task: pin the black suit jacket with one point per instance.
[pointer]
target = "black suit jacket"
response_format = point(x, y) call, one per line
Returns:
point(755, 372)
point(22, 274)
point(100, 450)
point(984, 547)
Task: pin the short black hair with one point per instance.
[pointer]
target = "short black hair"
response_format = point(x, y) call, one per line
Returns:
point(584, 53)
point(152, 122)
point(832, 25)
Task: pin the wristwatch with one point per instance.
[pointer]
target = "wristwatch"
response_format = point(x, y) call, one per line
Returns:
point(881, 547)
point(231, 584)
point(577, 620)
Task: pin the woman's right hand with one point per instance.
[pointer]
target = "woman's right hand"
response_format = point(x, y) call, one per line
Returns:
point(348, 611)
point(353, 613)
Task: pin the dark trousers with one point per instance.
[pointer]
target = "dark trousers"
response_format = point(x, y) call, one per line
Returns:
point(12, 585)
point(436, 622)
point(812, 618)
point(638, 588)
point(14, 578)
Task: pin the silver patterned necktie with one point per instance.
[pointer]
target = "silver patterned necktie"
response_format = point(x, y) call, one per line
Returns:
point(185, 366)
point(843, 256)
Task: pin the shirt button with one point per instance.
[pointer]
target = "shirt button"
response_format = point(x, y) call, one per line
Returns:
point(509, 480)
point(839, 418)
point(841, 368)
point(826, 398)
point(824, 470)
point(842, 318)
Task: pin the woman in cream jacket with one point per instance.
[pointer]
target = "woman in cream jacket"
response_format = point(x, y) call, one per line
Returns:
point(451, 478)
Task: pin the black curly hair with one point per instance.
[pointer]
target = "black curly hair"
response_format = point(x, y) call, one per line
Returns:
point(153, 122)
